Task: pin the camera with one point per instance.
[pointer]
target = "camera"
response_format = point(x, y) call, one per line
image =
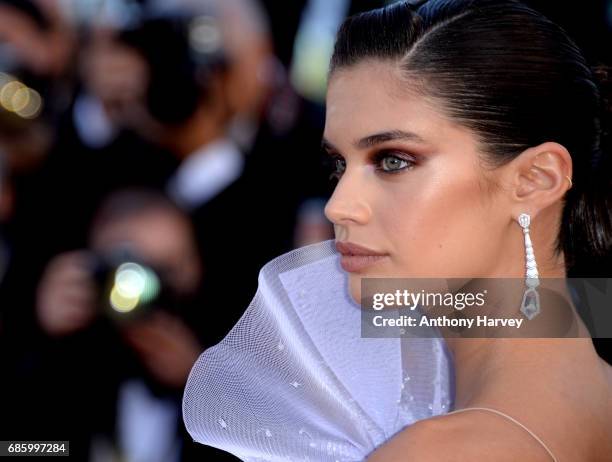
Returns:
point(22, 94)
point(129, 288)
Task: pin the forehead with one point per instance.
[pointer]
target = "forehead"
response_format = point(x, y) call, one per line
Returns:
point(371, 96)
point(146, 229)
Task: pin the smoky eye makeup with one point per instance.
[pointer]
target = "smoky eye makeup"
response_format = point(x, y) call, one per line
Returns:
point(393, 161)
point(385, 161)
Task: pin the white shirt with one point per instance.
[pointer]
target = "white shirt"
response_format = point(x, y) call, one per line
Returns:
point(205, 173)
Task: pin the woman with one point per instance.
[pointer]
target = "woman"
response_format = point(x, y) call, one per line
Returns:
point(458, 128)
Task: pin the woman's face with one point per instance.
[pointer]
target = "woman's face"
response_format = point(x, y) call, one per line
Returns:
point(412, 185)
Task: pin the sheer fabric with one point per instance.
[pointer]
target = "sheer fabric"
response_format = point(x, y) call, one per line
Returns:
point(294, 380)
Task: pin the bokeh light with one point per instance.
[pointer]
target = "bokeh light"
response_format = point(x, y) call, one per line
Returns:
point(18, 98)
point(134, 285)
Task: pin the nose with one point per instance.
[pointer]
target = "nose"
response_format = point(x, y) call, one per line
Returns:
point(348, 204)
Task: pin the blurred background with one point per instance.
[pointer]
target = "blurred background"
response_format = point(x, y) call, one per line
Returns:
point(154, 154)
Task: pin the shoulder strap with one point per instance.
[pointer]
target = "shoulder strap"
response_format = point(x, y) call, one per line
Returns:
point(512, 419)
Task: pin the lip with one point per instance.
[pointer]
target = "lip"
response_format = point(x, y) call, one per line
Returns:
point(356, 258)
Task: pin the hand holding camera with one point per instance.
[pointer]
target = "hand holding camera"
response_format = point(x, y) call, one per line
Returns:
point(66, 296)
point(78, 286)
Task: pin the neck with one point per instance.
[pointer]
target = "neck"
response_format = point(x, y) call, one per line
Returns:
point(503, 358)
point(509, 372)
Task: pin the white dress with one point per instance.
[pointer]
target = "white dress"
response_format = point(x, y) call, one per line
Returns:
point(295, 381)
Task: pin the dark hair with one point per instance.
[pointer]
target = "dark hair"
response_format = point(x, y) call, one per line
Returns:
point(517, 80)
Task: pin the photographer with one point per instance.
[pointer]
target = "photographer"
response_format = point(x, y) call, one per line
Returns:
point(121, 313)
point(176, 77)
point(37, 46)
point(36, 81)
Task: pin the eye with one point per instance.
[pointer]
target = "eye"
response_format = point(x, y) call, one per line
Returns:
point(337, 165)
point(393, 163)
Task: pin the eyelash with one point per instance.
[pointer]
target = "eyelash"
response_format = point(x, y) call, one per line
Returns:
point(332, 161)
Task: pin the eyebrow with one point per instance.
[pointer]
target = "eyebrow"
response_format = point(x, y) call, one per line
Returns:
point(378, 138)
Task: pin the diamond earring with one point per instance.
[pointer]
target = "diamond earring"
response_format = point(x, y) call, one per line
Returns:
point(530, 305)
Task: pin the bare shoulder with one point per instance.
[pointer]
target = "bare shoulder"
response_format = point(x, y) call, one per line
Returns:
point(466, 436)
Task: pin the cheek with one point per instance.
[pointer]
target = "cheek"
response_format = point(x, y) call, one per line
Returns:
point(437, 227)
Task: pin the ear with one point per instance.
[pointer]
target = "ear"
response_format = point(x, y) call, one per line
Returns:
point(539, 178)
